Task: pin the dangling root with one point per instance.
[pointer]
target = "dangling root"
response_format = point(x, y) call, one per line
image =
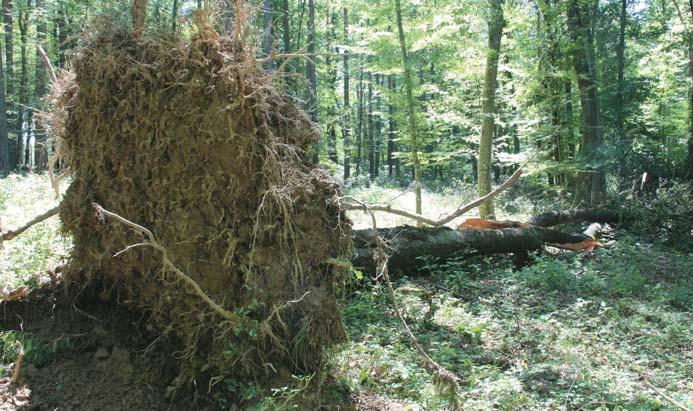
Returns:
point(234, 318)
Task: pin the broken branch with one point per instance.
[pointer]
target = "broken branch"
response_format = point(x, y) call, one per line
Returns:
point(10, 234)
point(446, 219)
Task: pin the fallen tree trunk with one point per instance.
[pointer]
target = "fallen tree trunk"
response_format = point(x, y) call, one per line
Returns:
point(553, 218)
point(408, 244)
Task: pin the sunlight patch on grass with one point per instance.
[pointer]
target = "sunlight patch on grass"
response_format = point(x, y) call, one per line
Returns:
point(26, 259)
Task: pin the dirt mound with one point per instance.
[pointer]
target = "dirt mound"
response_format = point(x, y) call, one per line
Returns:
point(192, 140)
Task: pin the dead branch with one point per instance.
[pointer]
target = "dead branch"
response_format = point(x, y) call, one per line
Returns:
point(234, 318)
point(47, 63)
point(381, 259)
point(17, 373)
point(666, 397)
point(10, 234)
point(444, 220)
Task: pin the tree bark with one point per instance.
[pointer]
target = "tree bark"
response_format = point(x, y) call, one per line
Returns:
point(267, 38)
point(369, 129)
point(408, 244)
point(12, 114)
point(689, 155)
point(41, 142)
point(391, 126)
point(24, 120)
point(488, 104)
point(347, 107)
point(592, 185)
point(331, 129)
point(410, 108)
point(4, 141)
point(312, 76)
point(174, 16)
point(620, 87)
point(286, 32)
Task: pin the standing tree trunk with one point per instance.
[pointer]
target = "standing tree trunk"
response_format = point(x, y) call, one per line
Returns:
point(347, 107)
point(620, 86)
point(378, 124)
point(174, 16)
point(267, 39)
point(286, 32)
point(410, 108)
point(41, 145)
point(591, 184)
point(369, 129)
point(62, 34)
point(138, 12)
point(391, 126)
point(24, 120)
point(331, 129)
point(312, 76)
point(12, 116)
point(488, 105)
point(689, 156)
point(4, 141)
point(359, 120)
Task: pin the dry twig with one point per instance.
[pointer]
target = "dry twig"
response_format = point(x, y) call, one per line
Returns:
point(446, 219)
point(666, 397)
point(10, 234)
point(381, 258)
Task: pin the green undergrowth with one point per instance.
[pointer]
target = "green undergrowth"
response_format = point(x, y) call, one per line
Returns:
point(26, 259)
point(567, 331)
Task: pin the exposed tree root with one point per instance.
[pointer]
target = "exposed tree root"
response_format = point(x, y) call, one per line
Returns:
point(168, 266)
point(381, 258)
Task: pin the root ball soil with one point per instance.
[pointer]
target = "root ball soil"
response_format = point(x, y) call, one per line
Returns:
point(195, 141)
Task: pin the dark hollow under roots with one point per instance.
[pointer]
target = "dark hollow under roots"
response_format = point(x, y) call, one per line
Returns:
point(192, 140)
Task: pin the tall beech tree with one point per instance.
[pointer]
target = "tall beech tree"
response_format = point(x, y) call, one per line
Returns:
point(413, 142)
point(346, 123)
point(591, 183)
point(488, 104)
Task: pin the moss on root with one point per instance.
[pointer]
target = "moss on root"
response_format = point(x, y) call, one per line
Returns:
point(194, 140)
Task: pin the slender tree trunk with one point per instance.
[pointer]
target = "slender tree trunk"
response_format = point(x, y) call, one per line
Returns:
point(312, 75)
point(41, 147)
point(174, 16)
point(24, 120)
point(378, 124)
point(689, 156)
point(369, 130)
point(591, 185)
point(62, 34)
point(347, 107)
point(410, 108)
point(359, 121)
point(286, 32)
point(391, 126)
point(267, 38)
point(12, 114)
point(138, 12)
point(4, 141)
point(620, 86)
point(331, 129)
point(488, 105)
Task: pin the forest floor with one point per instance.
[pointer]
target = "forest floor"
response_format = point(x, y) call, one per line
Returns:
point(611, 329)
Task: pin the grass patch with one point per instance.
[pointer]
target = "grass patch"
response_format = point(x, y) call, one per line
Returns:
point(568, 331)
point(26, 259)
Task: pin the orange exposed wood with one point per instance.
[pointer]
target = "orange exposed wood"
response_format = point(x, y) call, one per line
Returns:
point(482, 224)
